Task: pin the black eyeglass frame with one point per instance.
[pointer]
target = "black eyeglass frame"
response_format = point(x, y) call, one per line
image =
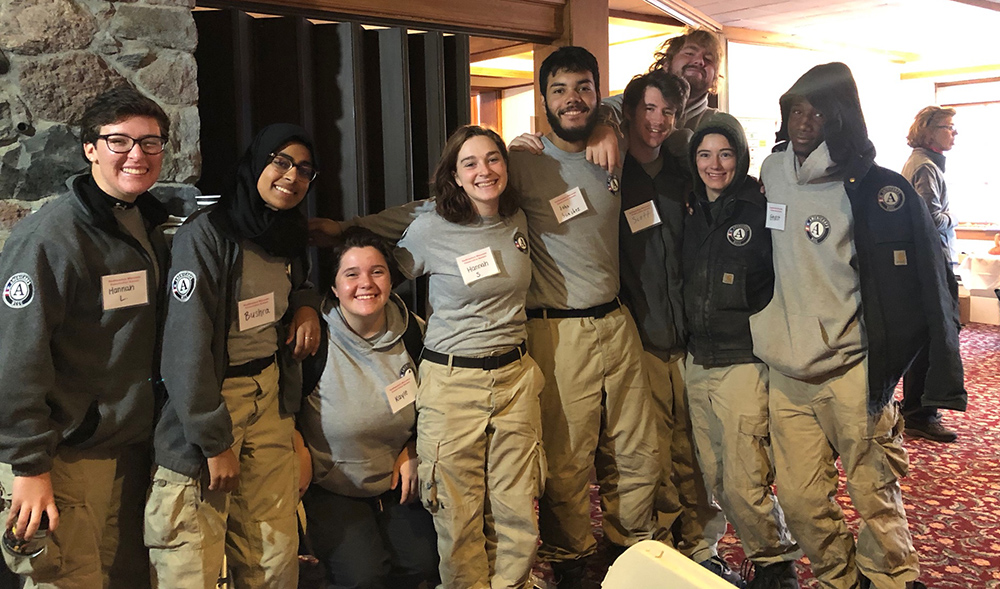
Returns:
point(133, 141)
point(302, 169)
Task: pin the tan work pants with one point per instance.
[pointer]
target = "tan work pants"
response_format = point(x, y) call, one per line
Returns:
point(596, 410)
point(684, 505)
point(481, 469)
point(189, 527)
point(99, 495)
point(729, 416)
point(811, 424)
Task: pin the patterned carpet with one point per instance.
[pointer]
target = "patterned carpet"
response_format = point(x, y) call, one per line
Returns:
point(952, 494)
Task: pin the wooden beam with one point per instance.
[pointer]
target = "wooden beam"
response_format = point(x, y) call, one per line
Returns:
point(526, 20)
point(659, 18)
point(987, 4)
point(508, 49)
point(504, 83)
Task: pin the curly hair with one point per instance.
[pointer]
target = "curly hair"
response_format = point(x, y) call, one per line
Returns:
point(923, 125)
point(452, 203)
point(674, 89)
point(703, 38)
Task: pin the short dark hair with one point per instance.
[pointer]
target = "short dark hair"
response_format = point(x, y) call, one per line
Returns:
point(703, 38)
point(356, 236)
point(118, 104)
point(571, 59)
point(675, 91)
point(452, 203)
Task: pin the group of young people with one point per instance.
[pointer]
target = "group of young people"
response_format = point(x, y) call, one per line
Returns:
point(668, 324)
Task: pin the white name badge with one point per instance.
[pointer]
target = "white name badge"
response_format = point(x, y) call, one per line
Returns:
point(568, 205)
point(256, 311)
point(478, 264)
point(402, 392)
point(643, 216)
point(775, 216)
point(124, 290)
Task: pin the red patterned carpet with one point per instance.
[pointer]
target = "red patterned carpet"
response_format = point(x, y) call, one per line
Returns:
point(952, 493)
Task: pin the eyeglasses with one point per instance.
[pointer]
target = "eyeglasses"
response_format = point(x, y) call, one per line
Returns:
point(285, 163)
point(149, 144)
point(949, 127)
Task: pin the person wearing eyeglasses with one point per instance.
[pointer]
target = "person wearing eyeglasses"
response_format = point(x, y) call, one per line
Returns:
point(82, 284)
point(931, 134)
point(241, 314)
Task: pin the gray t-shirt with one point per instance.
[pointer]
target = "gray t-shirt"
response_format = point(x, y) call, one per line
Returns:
point(574, 263)
point(130, 220)
point(261, 274)
point(487, 315)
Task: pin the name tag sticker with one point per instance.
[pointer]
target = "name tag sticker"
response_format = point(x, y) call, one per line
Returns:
point(643, 216)
point(402, 392)
point(568, 204)
point(775, 216)
point(256, 311)
point(478, 264)
point(124, 290)
point(899, 257)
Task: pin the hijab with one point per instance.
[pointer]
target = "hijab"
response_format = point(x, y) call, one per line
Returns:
point(279, 233)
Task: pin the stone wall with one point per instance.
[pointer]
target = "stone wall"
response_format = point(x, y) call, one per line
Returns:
point(55, 56)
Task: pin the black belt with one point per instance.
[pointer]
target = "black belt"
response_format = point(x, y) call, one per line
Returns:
point(483, 363)
point(251, 368)
point(594, 312)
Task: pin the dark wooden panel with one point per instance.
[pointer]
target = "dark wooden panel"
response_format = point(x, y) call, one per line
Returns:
point(457, 86)
point(223, 57)
point(427, 104)
point(388, 85)
point(279, 72)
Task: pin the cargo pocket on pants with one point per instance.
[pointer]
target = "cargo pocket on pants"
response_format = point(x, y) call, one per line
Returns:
point(885, 446)
point(754, 449)
point(427, 472)
point(171, 514)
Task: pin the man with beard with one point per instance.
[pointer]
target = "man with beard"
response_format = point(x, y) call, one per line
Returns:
point(596, 404)
point(861, 285)
point(693, 56)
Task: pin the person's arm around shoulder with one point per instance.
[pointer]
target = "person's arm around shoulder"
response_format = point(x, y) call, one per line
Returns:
point(390, 223)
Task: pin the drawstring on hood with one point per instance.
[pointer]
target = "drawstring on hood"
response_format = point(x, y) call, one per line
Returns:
point(830, 89)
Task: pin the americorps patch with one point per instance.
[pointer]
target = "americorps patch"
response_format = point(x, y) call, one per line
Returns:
point(19, 291)
point(183, 285)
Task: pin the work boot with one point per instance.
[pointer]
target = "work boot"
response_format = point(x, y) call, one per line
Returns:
point(720, 568)
point(778, 575)
point(933, 431)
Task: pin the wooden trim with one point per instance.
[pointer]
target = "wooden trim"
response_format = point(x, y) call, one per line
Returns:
point(973, 69)
point(657, 19)
point(966, 82)
point(987, 4)
point(525, 20)
point(501, 83)
point(489, 72)
point(507, 50)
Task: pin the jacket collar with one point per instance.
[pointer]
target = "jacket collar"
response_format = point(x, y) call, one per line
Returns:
point(101, 211)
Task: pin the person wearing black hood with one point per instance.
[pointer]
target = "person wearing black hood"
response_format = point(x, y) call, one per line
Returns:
point(240, 315)
point(860, 286)
point(728, 276)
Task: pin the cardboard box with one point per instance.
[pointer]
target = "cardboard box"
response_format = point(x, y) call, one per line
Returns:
point(964, 305)
point(983, 308)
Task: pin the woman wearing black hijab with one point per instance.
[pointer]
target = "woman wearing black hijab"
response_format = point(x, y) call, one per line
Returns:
point(240, 315)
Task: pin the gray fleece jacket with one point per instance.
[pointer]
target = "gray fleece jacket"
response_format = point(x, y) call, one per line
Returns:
point(352, 434)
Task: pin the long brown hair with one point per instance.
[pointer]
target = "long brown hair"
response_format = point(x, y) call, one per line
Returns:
point(452, 202)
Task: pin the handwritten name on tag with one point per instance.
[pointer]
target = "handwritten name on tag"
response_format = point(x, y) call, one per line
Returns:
point(568, 205)
point(124, 290)
point(478, 264)
point(643, 216)
point(256, 311)
point(402, 392)
point(775, 216)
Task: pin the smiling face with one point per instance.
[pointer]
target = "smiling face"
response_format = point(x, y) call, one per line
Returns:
point(571, 104)
point(697, 65)
point(125, 175)
point(482, 173)
point(715, 159)
point(284, 189)
point(362, 286)
point(652, 120)
point(805, 128)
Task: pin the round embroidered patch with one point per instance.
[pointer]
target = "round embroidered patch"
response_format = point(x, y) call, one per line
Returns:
point(739, 234)
point(891, 198)
point(817, 228)
point(406, 368)
point(183, 285)
point(521, 242)
point(19, 291)
point(613, 183)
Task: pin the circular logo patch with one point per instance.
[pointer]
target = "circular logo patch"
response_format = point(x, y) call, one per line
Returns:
point(817, 228)
point(19, 291)
point(406, 368)
point(739, 234)
point(183, 285)
point(890, 198)
point(521, 242)
point(613, 183)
